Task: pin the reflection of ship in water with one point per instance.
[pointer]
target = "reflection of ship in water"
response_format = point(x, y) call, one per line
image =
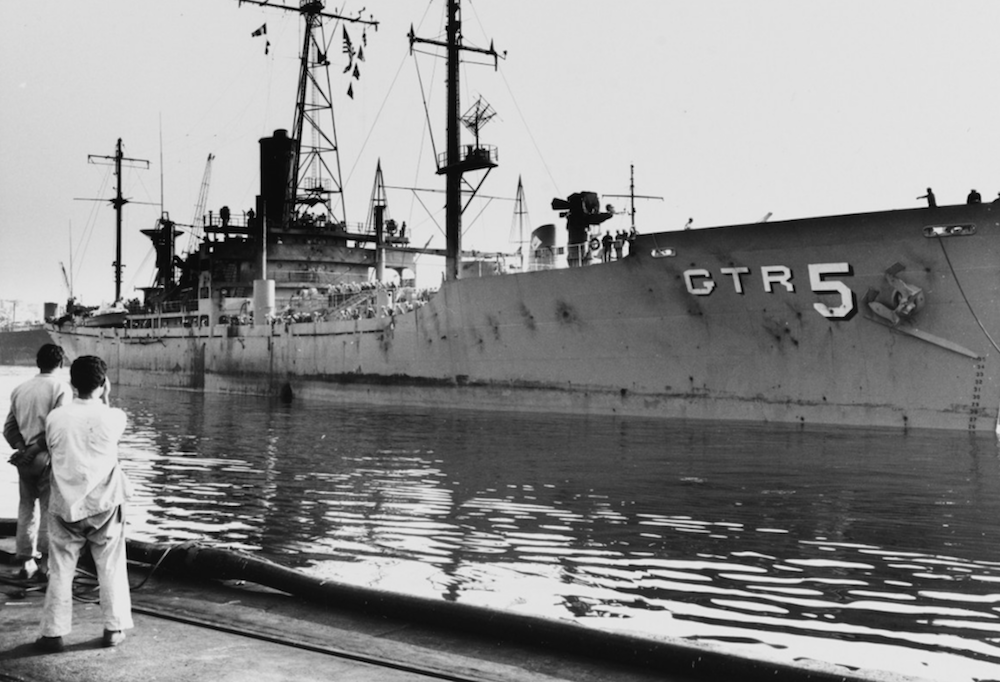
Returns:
point(877, 319)
point(667, 528)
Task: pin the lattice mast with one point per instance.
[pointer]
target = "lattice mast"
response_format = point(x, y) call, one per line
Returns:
point(314, 170)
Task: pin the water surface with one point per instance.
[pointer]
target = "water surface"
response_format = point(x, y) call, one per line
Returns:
point(868, 549)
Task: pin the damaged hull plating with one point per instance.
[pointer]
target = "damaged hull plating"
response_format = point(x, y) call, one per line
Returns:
point(880, 319)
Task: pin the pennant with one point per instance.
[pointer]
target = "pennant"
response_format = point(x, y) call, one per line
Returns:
point(348, 46)
point(267, 47)
point(361, 54)
point(350, 90)
point(262, 31)
point(356, 74)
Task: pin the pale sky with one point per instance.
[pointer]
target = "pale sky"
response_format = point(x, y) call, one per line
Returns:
point(728, 110)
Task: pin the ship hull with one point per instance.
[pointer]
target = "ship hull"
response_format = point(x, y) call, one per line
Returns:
point(20, 346)
point(768, 322)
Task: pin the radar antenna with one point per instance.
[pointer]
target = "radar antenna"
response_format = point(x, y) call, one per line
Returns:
point(478, 115)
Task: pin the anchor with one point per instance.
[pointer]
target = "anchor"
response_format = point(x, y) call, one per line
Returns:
point(897, 304)
point(905, 299)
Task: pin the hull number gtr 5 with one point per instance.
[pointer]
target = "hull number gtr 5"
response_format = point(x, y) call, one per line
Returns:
point(700, 282)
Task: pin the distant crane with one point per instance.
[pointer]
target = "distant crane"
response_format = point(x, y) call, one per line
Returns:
point(66, 280)
point(198, 222)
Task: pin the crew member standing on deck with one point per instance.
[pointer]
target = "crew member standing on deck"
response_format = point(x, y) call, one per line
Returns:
point(931, 201)
point(606, 247)
point(24, 430)
point(89, 491)
point(974, 198)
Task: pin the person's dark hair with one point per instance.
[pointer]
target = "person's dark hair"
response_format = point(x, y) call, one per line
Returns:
point(87, 373)
point(49, 357)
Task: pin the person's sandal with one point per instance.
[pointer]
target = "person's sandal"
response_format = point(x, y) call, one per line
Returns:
point(28, 571)
point(113, 637)
point(50, 645)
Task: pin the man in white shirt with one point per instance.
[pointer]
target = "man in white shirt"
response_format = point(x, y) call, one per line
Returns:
point(24, 430)
point(89, 491)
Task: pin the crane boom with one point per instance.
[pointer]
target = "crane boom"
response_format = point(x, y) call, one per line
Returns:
point(69, 286)
point(198, 222)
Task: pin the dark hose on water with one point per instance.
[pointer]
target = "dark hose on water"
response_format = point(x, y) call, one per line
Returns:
point(198, 561)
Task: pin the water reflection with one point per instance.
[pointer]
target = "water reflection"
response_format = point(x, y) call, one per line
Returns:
point(865, 548)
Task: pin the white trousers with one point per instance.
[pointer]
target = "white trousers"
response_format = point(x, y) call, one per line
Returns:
point(33, 508)
point(105, 533)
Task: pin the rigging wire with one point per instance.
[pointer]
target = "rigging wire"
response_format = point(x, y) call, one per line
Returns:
point(382, 106)
point(964, 297)
point(527, 129)
point(427, 132)
point(145, 261)
point(427, 111)
point(520, 113)
point(371, 130)
point(478, 215)
point(89, 227)
point(429, 213)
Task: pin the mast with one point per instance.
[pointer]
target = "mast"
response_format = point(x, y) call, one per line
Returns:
point(312, 177)
point(118, 202)
point(454, 164)
point(453, 175)
point(632, 196)
point(520, 211)
point(379, 203)
point(631, 192)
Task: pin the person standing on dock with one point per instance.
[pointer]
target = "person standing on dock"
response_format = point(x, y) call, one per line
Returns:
point(89, 491)
point(24, 430)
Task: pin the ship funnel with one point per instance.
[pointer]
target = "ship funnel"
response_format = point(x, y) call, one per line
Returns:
point(275, 165)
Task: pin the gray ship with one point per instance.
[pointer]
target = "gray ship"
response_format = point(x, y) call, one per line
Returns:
point(885, 319)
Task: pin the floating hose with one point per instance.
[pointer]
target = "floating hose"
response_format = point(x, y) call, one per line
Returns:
point(197, 561)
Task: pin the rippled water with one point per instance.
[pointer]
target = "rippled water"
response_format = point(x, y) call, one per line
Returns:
point(870, 549)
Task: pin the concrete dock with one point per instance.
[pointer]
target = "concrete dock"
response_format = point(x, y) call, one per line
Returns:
point(232, 630)
point(186, 631)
